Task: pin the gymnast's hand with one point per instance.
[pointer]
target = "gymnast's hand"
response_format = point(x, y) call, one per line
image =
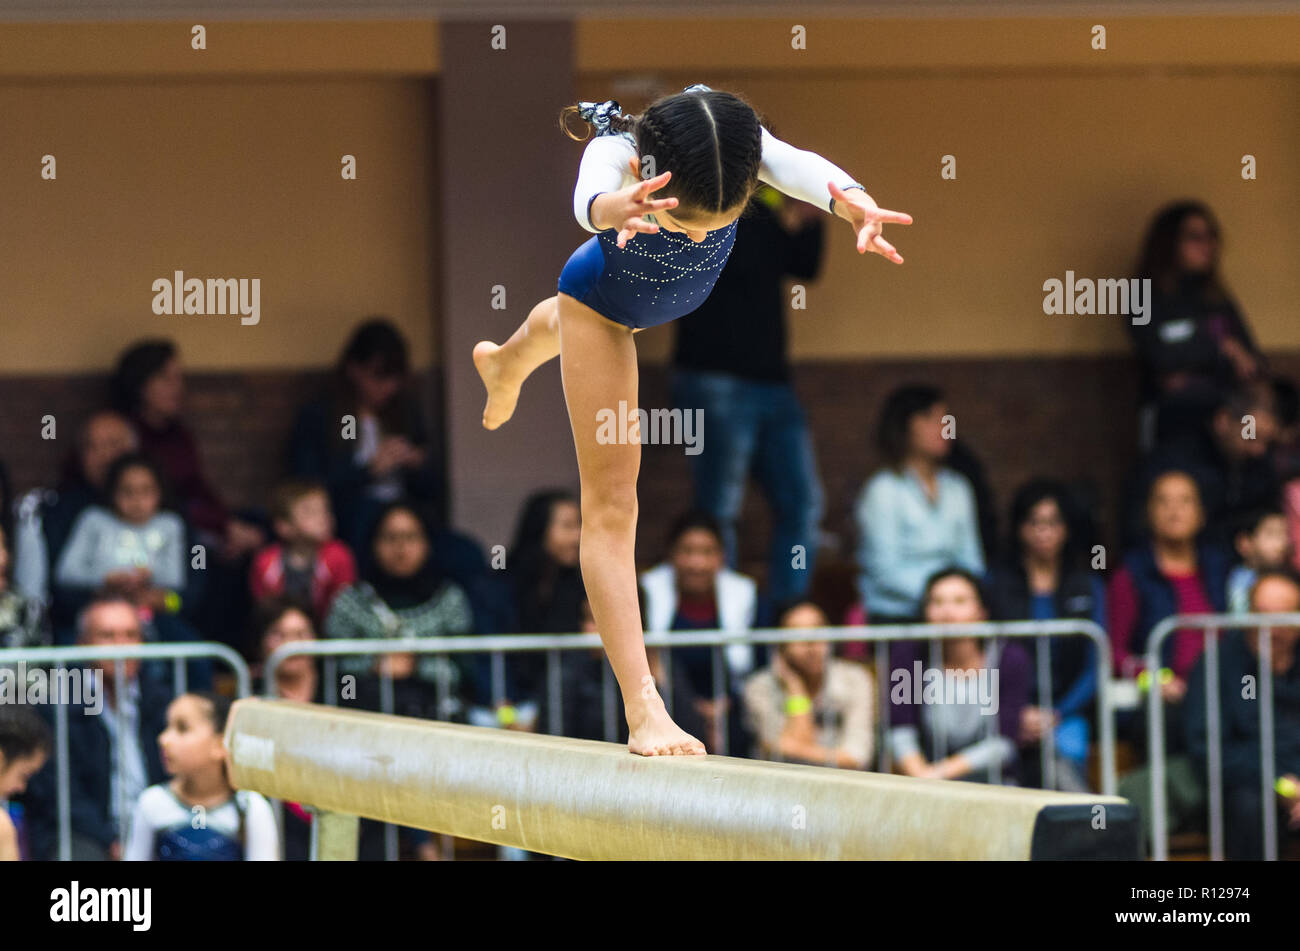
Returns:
point(861, 211)
point(625, 208)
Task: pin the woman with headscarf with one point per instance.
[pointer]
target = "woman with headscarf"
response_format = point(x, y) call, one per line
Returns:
point(403, 593)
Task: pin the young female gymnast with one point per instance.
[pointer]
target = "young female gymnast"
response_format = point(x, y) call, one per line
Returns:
point(703, 152)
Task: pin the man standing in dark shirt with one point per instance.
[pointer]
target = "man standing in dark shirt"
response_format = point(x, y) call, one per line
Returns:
point(730, 361)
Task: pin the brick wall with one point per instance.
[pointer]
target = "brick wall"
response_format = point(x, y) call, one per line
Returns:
point(1071, 418)
point(242, 422)
point(1068, 418)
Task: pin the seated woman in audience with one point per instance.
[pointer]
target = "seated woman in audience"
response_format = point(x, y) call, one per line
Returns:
point(46, 516)
point(133, 547)
point(148, 387)
point(404, 594)
point(961, 721)
point(25, 745)
point(1047, 578)
point(694, 590)
point(1173, 572)
point(807, 706)
point(366, 438)
point(237, 827)
point(916, 515)
point(545, 585)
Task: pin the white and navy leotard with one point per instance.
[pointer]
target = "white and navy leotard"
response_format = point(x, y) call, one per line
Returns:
point(655, 278)
point(164, 829)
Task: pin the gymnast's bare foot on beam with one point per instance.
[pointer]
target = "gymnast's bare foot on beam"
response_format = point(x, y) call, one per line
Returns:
point(652, 732)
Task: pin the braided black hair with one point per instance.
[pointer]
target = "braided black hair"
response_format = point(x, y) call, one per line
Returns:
point(711, 142)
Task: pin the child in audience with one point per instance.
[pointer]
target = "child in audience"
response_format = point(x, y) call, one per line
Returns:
point(1264, 544)
point(278, 621)
point(308, 563)
point(135, 548)
point(198, 816)
point(20, 618)
point(25, 744)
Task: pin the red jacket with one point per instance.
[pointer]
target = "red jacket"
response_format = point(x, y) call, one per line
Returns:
point(335, 570)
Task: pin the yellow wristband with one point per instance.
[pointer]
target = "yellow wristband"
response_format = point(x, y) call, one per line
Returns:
point(797, 705)
point(1144, 678)
point(172, 602)
point(506, 714)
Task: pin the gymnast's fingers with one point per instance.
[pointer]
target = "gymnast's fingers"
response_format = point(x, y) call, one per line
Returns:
point(640, 224)
point(653, 184)
point(881, 246)
point(890, 217)
point(632, 226)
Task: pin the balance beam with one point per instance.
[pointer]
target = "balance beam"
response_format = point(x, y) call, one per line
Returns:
point(582, 799)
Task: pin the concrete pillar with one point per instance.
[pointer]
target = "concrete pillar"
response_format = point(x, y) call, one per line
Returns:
point(505, 219)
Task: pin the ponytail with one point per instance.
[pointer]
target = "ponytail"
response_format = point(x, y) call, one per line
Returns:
point(599, 116)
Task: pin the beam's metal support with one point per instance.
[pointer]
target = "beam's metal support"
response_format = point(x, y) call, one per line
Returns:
point(334, 837)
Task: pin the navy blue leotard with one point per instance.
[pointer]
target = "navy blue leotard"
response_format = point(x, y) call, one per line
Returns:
point(652, 279)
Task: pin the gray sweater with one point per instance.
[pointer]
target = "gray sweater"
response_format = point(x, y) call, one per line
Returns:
point(101, 543)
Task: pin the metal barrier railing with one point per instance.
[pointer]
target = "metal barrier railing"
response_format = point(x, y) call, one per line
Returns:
point(1211, 624)
point(553, 644)
point(64, 657)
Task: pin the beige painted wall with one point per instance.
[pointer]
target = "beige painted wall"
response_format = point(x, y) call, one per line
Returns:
point(1054, 173)
point(217, 178)
point(227, 165)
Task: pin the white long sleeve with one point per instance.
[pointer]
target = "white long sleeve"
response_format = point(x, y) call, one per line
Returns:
point(603, 169)
point(798, 173)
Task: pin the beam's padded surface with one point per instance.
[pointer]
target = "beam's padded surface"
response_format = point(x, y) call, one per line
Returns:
point(587, 800)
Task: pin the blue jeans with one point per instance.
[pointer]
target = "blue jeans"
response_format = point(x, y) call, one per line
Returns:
point(758, 429)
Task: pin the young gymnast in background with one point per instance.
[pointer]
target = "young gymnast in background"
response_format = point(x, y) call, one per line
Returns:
point(198, 816)
point(702, 154)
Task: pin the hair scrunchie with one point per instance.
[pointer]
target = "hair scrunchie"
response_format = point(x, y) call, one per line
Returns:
point(600, 114)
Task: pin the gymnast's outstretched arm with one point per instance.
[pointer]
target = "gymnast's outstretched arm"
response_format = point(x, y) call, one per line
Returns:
point(800, 173)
